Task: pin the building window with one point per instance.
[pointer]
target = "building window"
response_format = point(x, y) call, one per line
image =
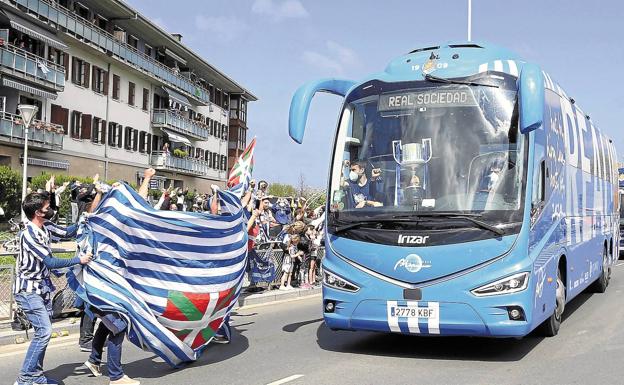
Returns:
point(243, 110)
point(80, 72)
point(131, 93)
point(99, 82)
point(96, 130)
point(215, 160)
point(116, 86)
point(145, 140)
point(133, 41)
point(223, 162)
point(60, 115)
point(145, 99)
point(148, 50)
point(129, 138)
point(114, 134)
point(76, 122)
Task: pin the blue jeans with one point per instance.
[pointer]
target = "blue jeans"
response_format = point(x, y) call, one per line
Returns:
point(115, 371)
point(37, 313)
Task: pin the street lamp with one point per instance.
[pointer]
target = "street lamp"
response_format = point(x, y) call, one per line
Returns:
point(27, 112)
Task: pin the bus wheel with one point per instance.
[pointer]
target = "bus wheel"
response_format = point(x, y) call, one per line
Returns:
point(551, 326)
point(600, 285)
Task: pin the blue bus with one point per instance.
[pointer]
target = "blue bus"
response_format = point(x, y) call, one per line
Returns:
point(468, 195)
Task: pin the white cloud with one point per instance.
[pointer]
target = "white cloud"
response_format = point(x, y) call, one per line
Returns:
point(279, 10)
point(224, 28)
point(337, 59)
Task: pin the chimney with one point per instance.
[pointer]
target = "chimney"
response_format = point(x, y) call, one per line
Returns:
point(177, 36)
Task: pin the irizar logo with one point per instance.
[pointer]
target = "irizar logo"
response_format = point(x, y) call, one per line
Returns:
point(412, 263)
point(413, 239)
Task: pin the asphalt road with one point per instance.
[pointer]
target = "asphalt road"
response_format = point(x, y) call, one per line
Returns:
point(288, 342)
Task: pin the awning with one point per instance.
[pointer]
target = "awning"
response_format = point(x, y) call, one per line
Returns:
point(28, 88)
point(177, 138)
point(33, 30)
point(177, 97)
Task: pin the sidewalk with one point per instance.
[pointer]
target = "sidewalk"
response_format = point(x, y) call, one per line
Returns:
point(72, 324)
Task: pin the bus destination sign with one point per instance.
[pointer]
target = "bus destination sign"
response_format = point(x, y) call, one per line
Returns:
point(436, 97)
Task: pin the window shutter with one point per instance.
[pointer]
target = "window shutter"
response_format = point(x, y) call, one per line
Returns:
point(135, 144)
point(118, 133)
point(74, 72)
point(85, 129)
point(66, 64)
point(105, 74)
point(87, 74)
point(103, 132)
point(94, 79)
point(127, 138)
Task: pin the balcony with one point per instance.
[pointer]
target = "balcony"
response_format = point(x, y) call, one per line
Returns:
point(47, 136)
point(24, 65)
point(178, 123)
point(101, 39)
point(162, 161)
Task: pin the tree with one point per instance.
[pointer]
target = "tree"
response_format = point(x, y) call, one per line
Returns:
point(282, 190)
point(10, 192)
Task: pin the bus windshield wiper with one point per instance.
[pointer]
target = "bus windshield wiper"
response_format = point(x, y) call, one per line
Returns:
point(352, 225)
point(436, 79)
point(467, 217)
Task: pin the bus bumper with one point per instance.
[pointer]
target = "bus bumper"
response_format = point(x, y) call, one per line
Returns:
point(457, 312)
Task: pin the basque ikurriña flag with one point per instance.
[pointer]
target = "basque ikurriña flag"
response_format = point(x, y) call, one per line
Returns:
point(240, 175)
point(173, 275)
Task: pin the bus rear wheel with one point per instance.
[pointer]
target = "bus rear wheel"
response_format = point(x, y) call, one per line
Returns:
point(551, 326)
point(600, 285)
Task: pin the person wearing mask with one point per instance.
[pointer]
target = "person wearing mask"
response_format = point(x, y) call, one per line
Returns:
point(362, 190)
point(33, 285)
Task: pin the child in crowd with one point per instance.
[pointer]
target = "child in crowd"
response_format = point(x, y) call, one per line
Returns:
point(288, 265)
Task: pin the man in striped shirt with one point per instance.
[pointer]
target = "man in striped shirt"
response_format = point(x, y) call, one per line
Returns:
point(33, 285)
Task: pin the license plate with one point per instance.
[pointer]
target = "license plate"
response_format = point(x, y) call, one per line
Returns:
point(414, 317)
point(413, 312)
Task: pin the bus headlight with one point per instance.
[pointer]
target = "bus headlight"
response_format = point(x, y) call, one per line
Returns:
point(332, 280)
point(508, 285)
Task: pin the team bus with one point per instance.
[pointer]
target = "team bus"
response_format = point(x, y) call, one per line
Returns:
point(468, 195)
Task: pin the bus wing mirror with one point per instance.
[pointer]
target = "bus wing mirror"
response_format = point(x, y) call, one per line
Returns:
point(531, 97)
point(301, 100)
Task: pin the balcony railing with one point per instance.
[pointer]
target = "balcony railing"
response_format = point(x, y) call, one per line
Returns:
point(23, 64)
point(100, 38)
point(178, 123)
point(43, 135)
point(162, 161)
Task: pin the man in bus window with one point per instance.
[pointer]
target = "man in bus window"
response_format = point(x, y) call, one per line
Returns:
point(361, 190)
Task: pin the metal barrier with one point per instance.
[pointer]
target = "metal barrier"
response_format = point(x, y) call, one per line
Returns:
point(274, 251)
point(7, 274)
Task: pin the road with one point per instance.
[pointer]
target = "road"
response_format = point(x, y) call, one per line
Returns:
point(288, 343)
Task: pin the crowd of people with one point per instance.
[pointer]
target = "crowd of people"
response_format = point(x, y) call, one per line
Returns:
point(286, 222)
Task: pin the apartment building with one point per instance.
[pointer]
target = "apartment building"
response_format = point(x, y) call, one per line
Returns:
point(116, 94)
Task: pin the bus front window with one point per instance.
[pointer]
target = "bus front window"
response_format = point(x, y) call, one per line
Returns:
point(420, 147)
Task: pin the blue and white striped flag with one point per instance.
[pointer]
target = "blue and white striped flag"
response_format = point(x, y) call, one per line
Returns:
point(173, 275)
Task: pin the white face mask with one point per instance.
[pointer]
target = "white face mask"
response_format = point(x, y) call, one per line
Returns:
point(353, 176)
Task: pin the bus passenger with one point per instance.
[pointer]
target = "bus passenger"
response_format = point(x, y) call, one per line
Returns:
point(362, 191)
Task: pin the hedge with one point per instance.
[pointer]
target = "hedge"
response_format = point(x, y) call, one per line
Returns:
point(10, 191)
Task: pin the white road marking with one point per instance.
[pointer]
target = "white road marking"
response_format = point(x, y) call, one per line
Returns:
point(287, 379)
point(620, 264)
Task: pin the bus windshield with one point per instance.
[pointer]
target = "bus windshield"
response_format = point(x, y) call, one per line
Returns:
point(418, 149)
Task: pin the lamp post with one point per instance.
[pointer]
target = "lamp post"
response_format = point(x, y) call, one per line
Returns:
point(27, 112)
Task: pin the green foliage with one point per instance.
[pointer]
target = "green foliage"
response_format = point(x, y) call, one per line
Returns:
point(180, 153)
point(10, 192)
point(39, 181)
point(282, 190)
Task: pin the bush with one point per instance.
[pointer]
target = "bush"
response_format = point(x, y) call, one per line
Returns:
point(10, 192)
point(180, 153)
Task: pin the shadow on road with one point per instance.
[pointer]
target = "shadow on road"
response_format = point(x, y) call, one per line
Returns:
point(439, 348)
point(293, 327)
point(154, 367)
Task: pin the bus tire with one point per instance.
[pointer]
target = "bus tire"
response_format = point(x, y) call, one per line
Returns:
point(550, 327)
point(600, 285)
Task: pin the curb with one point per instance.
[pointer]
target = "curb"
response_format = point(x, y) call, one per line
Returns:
point(272, 297)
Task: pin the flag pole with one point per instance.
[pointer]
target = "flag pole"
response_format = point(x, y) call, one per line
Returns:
point(469, 20)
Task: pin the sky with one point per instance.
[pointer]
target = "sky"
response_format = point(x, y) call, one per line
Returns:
point(271, 47)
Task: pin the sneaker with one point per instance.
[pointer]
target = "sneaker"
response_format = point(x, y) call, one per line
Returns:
point(219, 339)
point(125, 380)
point(86, 347)
point(289, 287)
point(283, 288)
point(43, 380)
point(95, 369)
